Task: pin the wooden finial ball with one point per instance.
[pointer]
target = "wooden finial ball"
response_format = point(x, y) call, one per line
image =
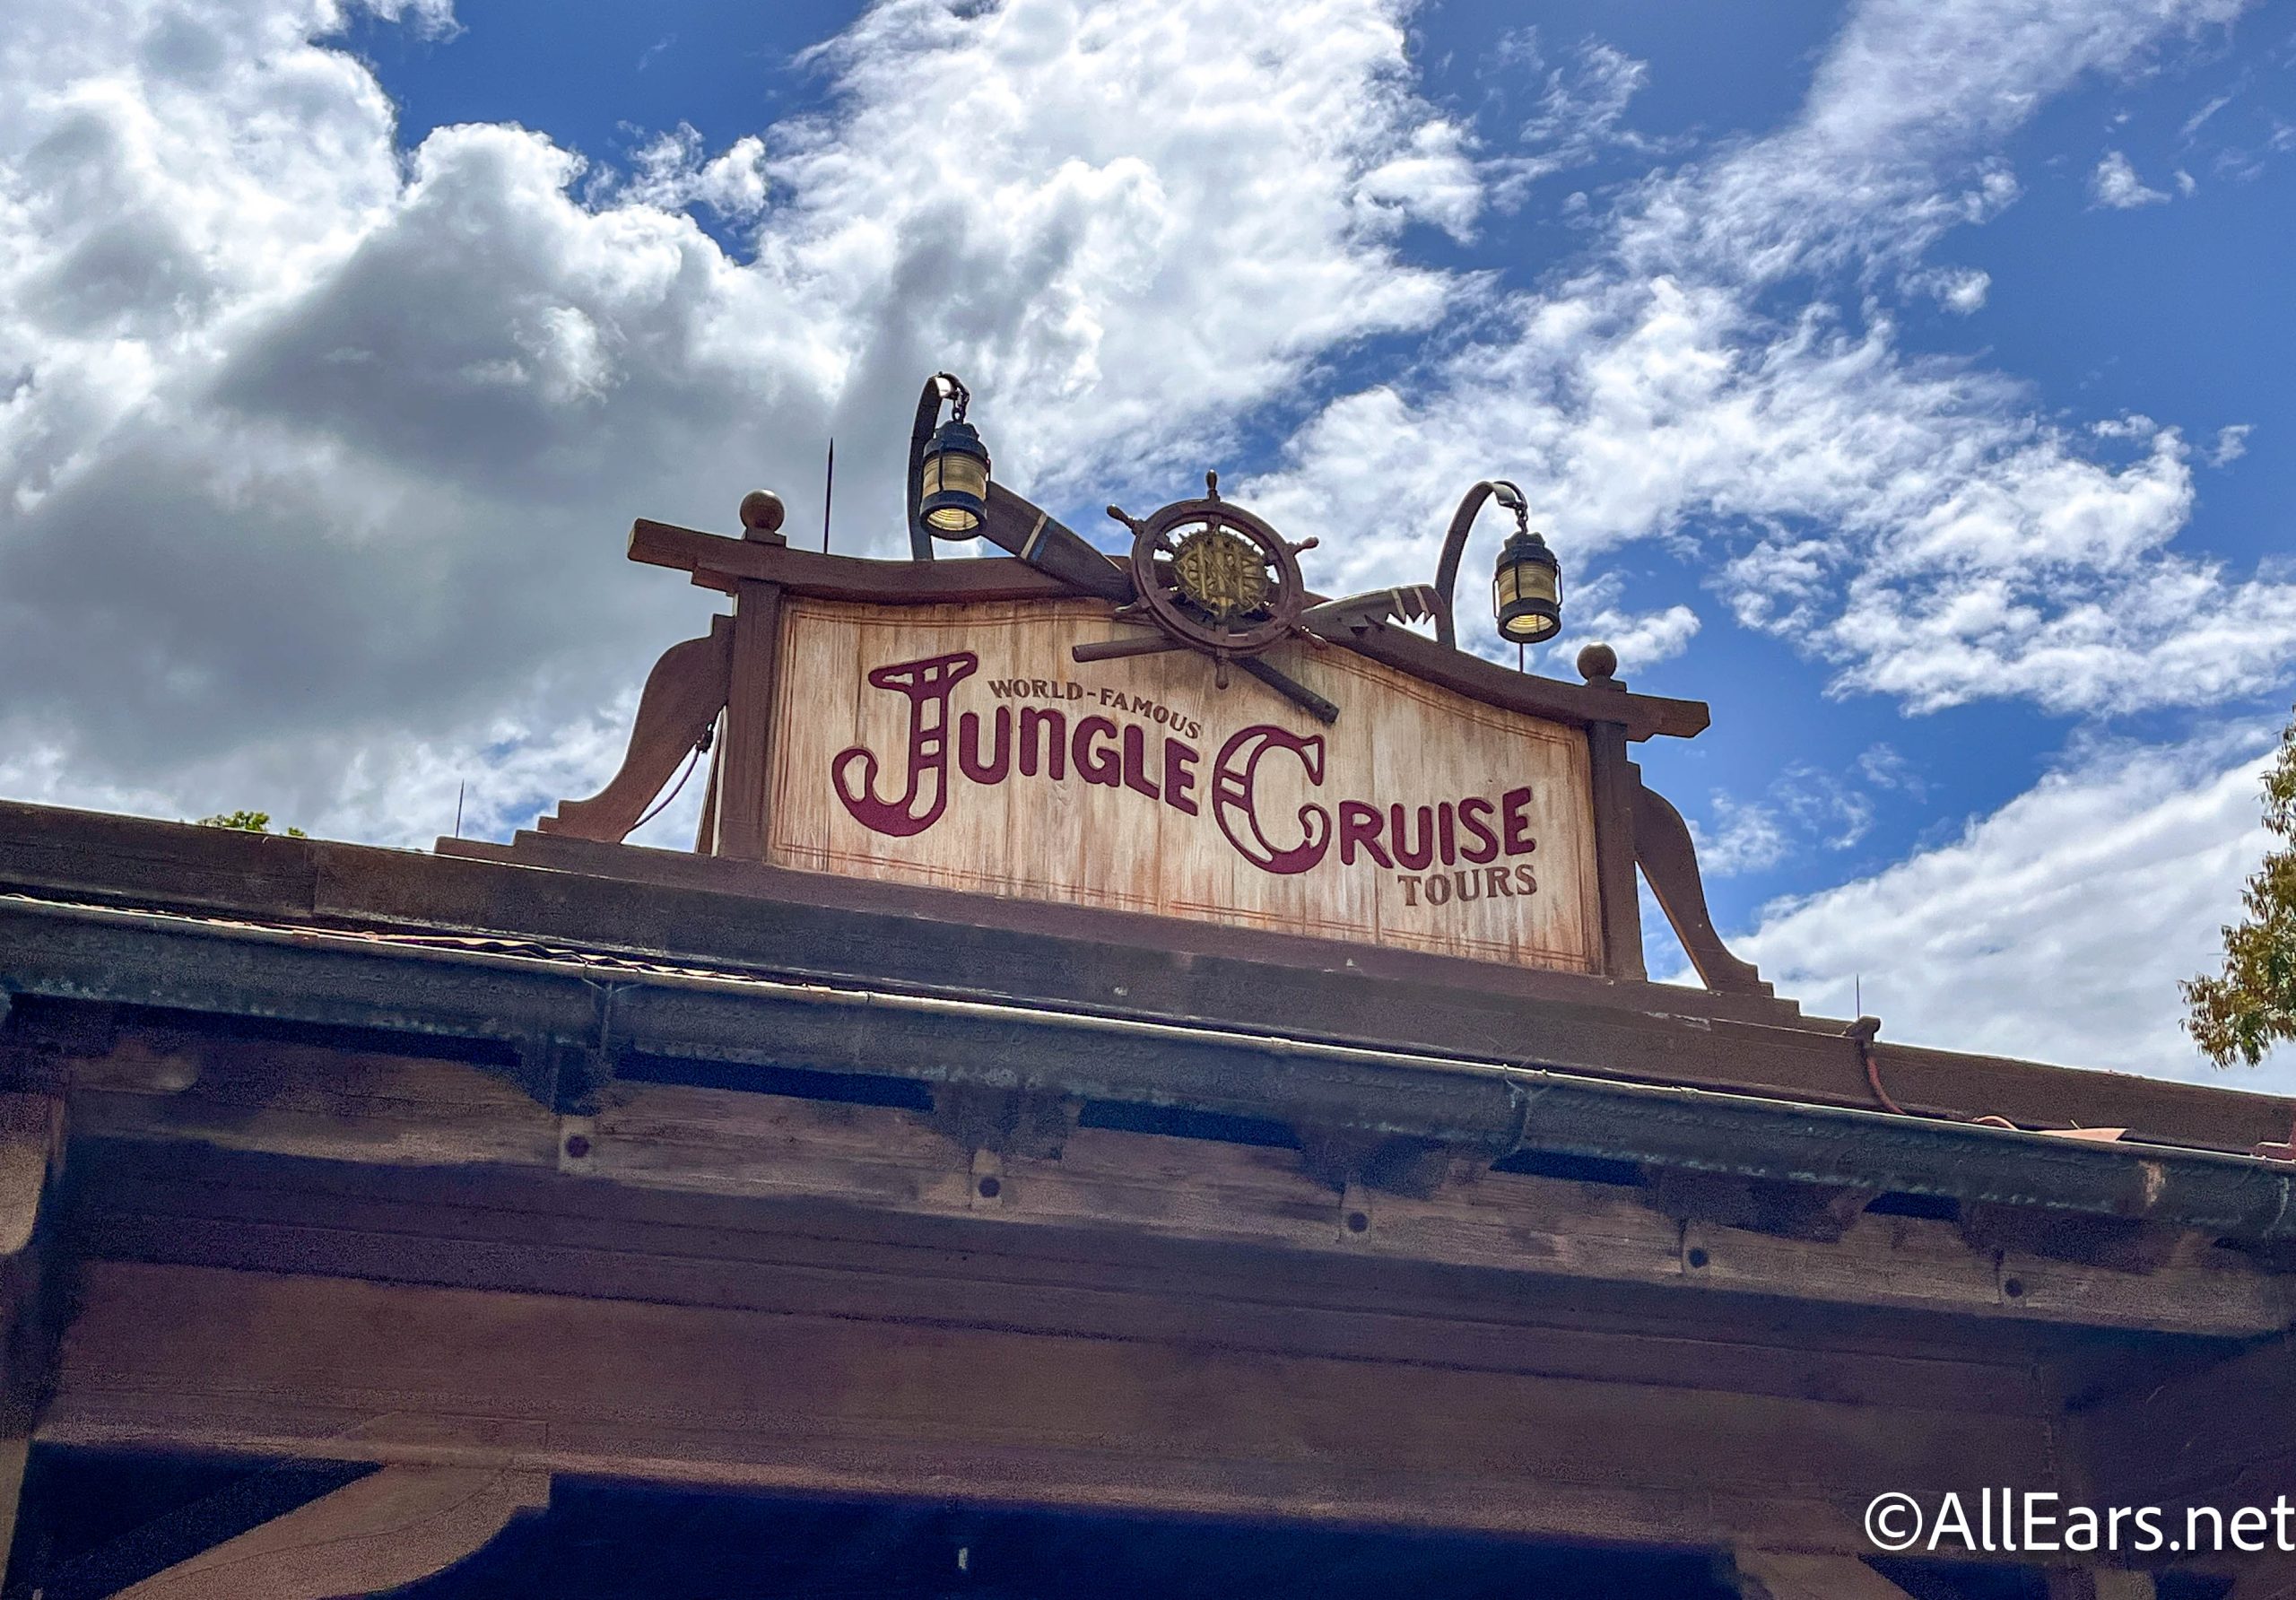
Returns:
point(1597, 661)
point(762, 511)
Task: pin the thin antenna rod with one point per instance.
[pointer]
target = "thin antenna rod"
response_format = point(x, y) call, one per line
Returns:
point(1858, 992)
point(829, 492)
point(459, 787)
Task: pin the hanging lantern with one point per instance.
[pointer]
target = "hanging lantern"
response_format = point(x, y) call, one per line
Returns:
point(953, 481)
point(1526, 590)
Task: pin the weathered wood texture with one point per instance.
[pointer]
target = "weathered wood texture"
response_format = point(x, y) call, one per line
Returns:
point(1105, 784)
point(2095, 1583)
point(2203, 1444)
point(193, 1359)
point(919, 937)
point(884, 1161)
point(1787, 1575)
point(1612, 783)
point(2217, 1434)
point(31, 1153)
point(382, 1531)
point(739, 803)
point(13, 1453)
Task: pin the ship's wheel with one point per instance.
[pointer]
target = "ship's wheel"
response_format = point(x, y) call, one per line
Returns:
point(1213, 577)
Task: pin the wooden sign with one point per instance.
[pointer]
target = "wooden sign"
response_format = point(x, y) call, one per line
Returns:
point(961, 746)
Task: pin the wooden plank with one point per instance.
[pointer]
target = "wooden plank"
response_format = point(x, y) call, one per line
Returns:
point(961, 748)
point(189, 1359)
point(2214, 1433)
point(61, 851)
point(764, 1147)
point(1655, 1032)
point(13, 1453)
point(1786, 1575)
point(1173, 939)
point(2098, 1583)
point(382, 1531)
point(200, 1205)
point(418, 988)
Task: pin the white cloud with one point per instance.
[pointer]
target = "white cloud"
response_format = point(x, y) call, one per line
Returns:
point(315, 455)
point(2231, 444)
point(1914, 523)
point(1959, 290)
point(2115, 184)
point(1581, 112)
point(1741, 837)
point(2058, 927)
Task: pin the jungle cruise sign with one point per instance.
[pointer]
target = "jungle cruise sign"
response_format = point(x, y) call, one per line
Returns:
point(966, 746)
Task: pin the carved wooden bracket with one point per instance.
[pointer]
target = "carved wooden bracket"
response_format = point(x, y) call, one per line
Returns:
point(685, 691)
point(1004, 1121)
point(1823, 1212)
point(380, 1532)
point(1347, 1158)
point(1669, 861)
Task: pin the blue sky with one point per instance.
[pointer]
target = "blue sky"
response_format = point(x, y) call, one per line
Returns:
point(1907, 381)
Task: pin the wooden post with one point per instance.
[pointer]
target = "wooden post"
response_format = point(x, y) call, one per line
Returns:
point(1615, 781)
point(740, 801)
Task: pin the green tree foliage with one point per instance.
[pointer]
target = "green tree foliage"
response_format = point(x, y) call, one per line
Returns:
point(247, 822)
point(2239, 1014)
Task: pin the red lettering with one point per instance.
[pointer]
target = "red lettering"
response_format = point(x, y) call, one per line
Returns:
point(1474, 816)
point(1095, 763)
point(1410, 888)
point(1235, 802)
point(1514, 811)
point(968, 761)
point(1525, 881)
point(1358, 824)
point(1446, 834)
point(1470, 884)
point(1499, 883)
point(928, 684)
point(1438, 890)
point(1044, 744)
point(1416, 855)
point(1135, 762)
point(1179, 776)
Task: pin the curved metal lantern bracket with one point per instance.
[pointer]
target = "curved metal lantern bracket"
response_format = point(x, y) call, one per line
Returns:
point(1455, 546)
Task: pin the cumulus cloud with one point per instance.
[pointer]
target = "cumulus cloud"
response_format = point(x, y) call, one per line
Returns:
point(2056, 928)
point(2115, 184)
point(316, 454)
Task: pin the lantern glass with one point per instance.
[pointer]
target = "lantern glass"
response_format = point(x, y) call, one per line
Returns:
point(1526, 591)
point(952, 482)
